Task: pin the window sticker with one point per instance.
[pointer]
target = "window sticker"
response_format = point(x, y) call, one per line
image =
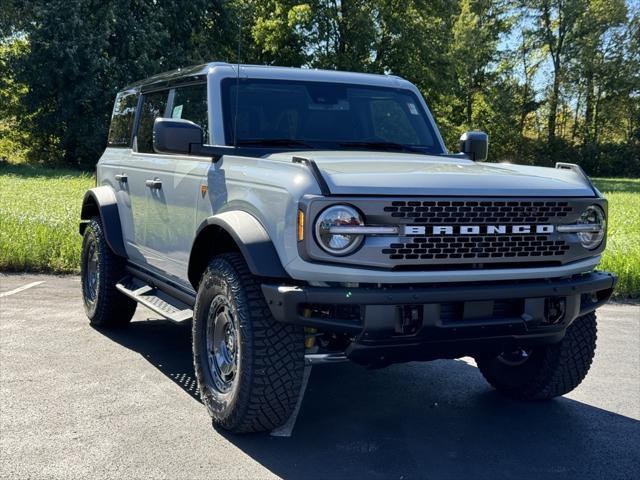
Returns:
point(177, 112)
point(412, 108)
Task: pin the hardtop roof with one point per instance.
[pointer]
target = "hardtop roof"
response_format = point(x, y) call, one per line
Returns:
point(199, 72)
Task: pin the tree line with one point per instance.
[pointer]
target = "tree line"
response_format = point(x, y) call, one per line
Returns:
point(549, 80)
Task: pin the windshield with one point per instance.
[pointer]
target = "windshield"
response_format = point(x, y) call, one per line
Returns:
point(324, 115)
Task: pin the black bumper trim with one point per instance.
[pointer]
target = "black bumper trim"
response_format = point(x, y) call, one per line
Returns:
point(478, 329)
point(285, 301)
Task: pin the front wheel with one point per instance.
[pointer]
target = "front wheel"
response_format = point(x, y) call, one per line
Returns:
point(544, 372)
point(248, 366)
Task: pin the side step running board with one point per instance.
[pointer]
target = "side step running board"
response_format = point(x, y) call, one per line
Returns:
point(155, 299)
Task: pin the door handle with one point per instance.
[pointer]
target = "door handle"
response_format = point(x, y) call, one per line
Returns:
point(154, 184)
point(121, 178)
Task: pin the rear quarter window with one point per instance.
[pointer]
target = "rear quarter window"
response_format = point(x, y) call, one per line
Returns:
point(124, 111)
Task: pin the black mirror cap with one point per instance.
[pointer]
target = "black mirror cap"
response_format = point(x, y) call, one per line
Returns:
point(173, 135)
point(475, 145)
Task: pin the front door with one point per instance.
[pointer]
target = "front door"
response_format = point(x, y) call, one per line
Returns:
point(142, 170)
point(169, 185)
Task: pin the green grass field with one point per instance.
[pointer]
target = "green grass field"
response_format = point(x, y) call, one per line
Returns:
point(39, 211)
point(622, 255)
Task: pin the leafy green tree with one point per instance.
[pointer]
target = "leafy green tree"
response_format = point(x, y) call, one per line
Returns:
point(593, 47)
point(278, 30)
point(476, 32)
point(633, 66)
point(82, 51)
point(12, 17)
point(558, 28)
point(12, 139)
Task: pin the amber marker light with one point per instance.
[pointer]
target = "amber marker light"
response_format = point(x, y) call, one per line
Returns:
point(300, 225)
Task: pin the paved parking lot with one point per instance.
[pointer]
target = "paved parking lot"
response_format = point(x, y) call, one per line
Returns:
point(79, 403)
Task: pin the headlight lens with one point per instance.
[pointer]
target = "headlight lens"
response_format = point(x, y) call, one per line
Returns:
point(593, 215)
point(338, 215)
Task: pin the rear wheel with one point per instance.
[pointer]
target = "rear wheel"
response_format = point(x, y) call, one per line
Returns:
point(100, 270)
point(544, 372)
point(248, 366)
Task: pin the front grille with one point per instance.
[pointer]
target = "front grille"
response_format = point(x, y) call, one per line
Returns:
point(472, 249)
point(454, 233)
point(473, 211)
point(493, 246)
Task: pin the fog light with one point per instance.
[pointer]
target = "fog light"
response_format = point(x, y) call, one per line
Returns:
point(409, 319)
point(554, 310)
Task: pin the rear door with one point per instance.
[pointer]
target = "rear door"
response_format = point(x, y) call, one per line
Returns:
point(114, 167)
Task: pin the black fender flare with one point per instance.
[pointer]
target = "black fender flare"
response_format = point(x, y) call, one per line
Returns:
point(102, 201)
point(249, 235)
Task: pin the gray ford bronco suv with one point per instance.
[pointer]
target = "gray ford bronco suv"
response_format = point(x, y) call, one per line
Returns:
point(304, 216)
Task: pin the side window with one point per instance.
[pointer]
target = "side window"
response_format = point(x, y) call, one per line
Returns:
point(190, 103)
point(124, 111)
point(153, 106)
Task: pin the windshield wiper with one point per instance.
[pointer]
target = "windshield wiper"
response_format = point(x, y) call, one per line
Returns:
point(383, 145)
point(273, 142)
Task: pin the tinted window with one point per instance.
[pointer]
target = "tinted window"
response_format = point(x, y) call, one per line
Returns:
point(153, 106)
point(391, 122)
point(124, 111)
point(190, 103)
point(325, 115)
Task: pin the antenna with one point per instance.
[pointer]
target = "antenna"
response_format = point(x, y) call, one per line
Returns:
point(235, 118)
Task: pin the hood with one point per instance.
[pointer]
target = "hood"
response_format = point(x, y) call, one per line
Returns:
point(382, 173)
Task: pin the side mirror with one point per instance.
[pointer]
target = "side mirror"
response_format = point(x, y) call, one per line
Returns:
point(475, 145)
point(172, 135)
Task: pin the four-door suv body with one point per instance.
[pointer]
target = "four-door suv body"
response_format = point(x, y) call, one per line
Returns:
point(316, 216)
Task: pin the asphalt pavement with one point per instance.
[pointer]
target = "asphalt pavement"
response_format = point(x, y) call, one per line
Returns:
point(76, 402)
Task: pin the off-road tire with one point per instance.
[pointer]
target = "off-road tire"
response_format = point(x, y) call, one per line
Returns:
point(111, 308)
point(550, 371)
point(271, 354)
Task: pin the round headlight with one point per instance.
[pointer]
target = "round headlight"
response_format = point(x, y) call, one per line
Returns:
point(593, 215)
point(338, 216)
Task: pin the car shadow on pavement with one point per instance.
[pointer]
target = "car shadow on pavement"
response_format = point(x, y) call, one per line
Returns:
point(438, 419)
point(165, 345)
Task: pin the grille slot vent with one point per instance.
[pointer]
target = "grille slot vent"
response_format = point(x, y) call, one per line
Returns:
point(478, 211)
point(473, 247)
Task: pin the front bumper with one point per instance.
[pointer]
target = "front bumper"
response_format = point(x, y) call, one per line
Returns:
point(303, 270)
point(400, 323)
